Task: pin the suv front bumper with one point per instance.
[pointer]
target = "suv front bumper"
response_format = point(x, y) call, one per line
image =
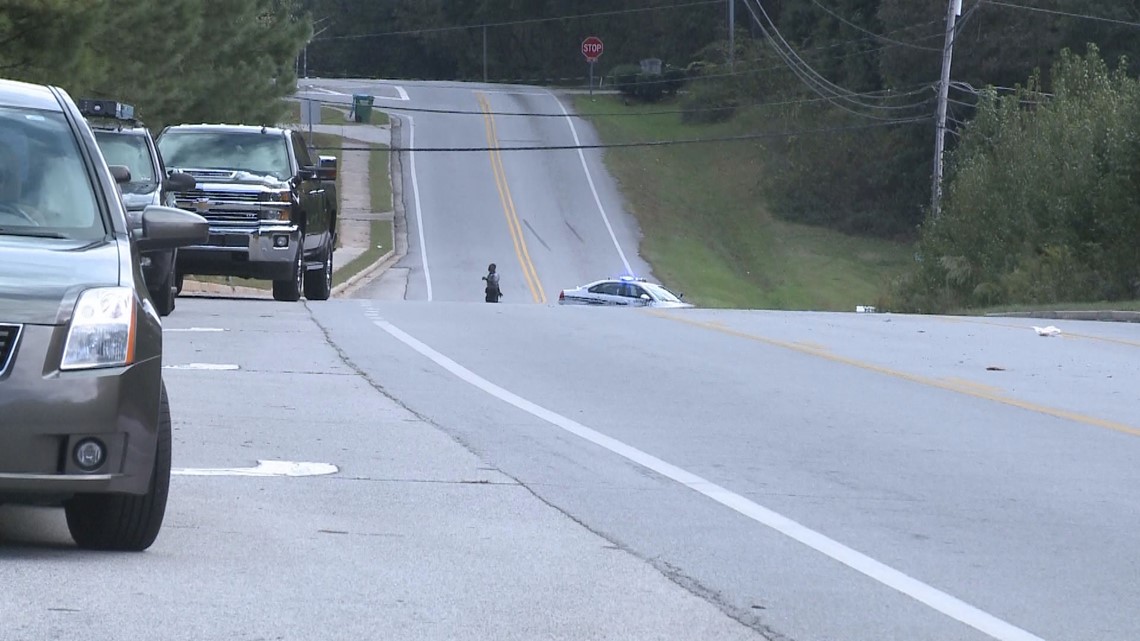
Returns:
point(45, 413)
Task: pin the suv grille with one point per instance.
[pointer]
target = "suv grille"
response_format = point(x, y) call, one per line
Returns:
point(9, 336)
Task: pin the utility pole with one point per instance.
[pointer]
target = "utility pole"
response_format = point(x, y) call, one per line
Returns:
point(731, 35)
point(952, 13)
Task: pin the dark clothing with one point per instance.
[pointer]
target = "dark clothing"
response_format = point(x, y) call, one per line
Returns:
point(493, 292)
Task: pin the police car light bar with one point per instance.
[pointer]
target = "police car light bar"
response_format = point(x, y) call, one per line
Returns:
point(106, 109)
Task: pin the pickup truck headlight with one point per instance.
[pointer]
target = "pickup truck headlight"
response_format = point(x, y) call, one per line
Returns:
point(102, 332)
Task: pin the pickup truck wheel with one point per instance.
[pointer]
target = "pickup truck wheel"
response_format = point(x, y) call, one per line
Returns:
point(319, 286)
point(290, 290)
point(125, 522)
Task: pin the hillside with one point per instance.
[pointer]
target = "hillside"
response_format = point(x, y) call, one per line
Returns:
point(707, 231)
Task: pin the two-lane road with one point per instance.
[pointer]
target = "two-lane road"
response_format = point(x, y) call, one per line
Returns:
point(548, 219)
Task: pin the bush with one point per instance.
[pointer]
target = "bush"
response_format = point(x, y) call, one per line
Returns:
point(624, 78)
point(1042, 199)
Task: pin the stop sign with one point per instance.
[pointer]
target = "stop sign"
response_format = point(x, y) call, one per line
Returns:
point(592, 48)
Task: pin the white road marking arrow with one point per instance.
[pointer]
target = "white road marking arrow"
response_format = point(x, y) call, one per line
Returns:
point(264, 468)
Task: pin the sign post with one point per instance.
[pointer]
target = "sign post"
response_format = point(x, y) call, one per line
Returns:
point(310, 115)
point(592, 49)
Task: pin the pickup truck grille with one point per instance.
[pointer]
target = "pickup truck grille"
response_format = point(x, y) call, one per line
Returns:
point(220, 196)
point(9, 336)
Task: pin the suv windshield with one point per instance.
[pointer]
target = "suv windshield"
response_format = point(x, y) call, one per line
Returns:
point(257, 153)
point(45, 188)
point(129, 149)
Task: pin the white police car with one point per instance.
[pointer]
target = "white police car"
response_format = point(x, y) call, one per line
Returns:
point(624, 291)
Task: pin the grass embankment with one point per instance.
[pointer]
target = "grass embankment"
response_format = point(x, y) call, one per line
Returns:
point(380, 186)
point(707, 231)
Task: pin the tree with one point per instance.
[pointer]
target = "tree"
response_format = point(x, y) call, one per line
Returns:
point(1043, 197)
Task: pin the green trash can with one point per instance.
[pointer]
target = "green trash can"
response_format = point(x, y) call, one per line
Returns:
point(362, 108)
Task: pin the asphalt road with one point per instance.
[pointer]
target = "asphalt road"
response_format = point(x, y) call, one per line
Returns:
point(542, 472)
point(548, 219)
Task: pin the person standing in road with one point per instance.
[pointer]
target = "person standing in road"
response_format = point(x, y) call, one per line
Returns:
point(492, 290)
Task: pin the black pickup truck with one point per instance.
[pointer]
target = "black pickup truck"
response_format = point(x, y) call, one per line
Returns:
point(271, 206)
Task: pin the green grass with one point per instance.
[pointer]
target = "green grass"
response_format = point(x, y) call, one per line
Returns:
point(706, 229)
point(381, 232)
point(379, 182)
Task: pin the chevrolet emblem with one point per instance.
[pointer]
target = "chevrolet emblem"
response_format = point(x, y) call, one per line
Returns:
point(202, 205)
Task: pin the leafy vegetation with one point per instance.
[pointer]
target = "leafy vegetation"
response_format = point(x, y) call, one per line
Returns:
point(1043, 201)
point(176, 60)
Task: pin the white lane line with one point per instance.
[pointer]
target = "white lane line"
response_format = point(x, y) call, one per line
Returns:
point(194, 329)
point(209, 367)
point(590, 180)
point(326, 91)
point(416, 198)
point(263, 468)
point(941, 601)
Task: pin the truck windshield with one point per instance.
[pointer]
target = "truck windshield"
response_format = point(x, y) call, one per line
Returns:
point(257, 153)
point(45, 187)
point(129, 149)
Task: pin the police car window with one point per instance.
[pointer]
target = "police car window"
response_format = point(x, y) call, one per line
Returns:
point(44, 184)
point(130, 150)
point(607, 289)
point(661, 293)
point(253, 152)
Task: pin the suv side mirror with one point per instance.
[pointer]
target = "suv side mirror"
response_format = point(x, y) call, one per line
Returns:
point(169, 228)
point(307, 173)
point(179, 181)
point(121, 173)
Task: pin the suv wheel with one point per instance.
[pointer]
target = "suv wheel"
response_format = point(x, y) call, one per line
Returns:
point(124, 521)
point(164, 297)
point(319, 286)
point(290, 290)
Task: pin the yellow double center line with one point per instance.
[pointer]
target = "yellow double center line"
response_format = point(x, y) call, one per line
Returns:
point(529, 272)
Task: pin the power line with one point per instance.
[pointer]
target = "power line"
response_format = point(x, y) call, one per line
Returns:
point(871, 33)
point(1067, 14)
point(815, 81)
point(913, 90)
point(508, 23)
point(648, 143)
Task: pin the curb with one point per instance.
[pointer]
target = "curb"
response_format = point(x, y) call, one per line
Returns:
point(1090, 315)
point(381, 262)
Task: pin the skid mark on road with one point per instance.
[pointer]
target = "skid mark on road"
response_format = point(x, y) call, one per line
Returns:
point(952, 385)
point(886, 575)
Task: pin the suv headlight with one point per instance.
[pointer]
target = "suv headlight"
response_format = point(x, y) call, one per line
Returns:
point(102, 332)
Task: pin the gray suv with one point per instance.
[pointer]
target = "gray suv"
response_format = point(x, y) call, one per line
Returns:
point(125, 141)
point(84, 417)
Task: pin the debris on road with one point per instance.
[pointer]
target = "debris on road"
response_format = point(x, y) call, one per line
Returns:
point(1047, 331)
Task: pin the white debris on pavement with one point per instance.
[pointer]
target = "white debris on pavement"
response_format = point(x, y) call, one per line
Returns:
point(1047, 331)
